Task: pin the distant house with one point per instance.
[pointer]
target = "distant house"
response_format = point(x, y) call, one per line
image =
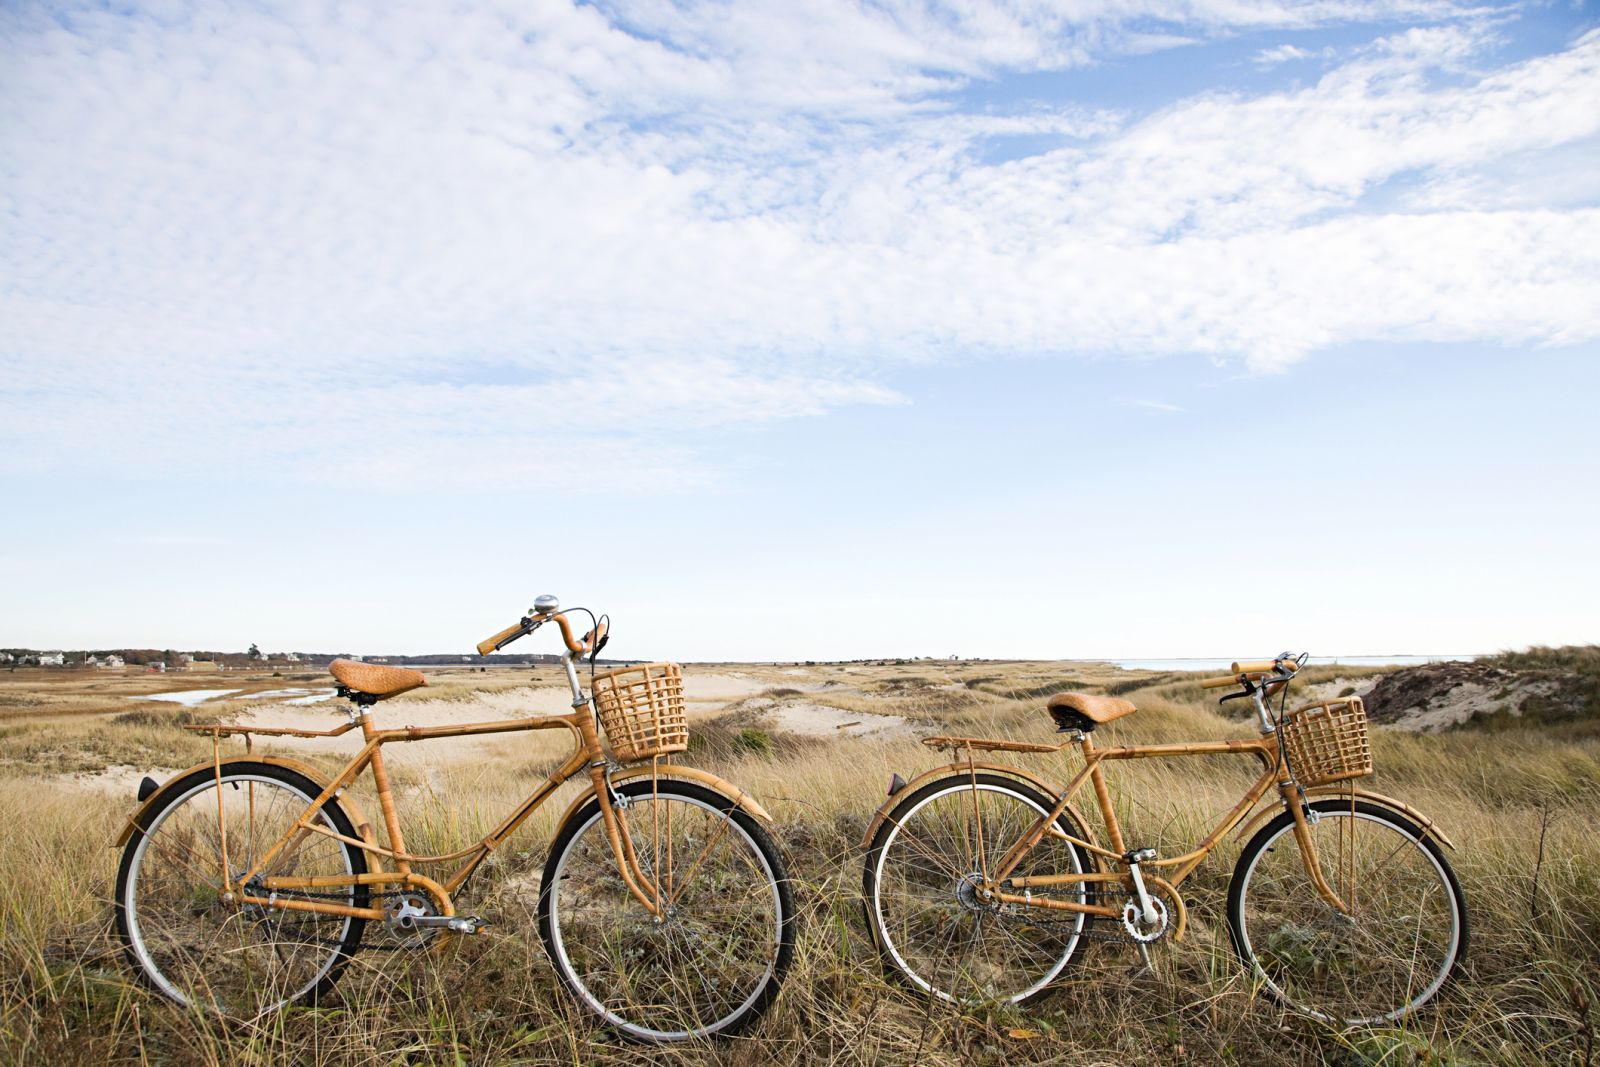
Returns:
point(110, 661)
point(157, 668)
point(291, 657)
point(54, 658)
point(6, 657)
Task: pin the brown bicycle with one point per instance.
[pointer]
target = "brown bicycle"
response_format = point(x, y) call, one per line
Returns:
point(247, 882)
point(981, 879)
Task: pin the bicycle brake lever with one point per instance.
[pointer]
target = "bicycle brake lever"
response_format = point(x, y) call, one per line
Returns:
point(1233, 696)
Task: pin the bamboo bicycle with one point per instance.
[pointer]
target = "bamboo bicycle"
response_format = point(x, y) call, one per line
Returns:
point(981, 879)
point(246, 882)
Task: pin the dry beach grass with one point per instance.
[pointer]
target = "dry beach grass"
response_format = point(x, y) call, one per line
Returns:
point(1521, 805)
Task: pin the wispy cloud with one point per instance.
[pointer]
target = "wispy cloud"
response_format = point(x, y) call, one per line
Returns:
point(1268, 58)
point(1158, 405)
point(302, 240)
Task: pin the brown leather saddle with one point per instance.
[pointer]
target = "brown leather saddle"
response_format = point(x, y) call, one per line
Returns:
point(373, 681)
point(1084, 711)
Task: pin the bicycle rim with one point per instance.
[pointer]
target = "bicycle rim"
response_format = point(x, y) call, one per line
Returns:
point(226, 959)
point(1389, 956)
point(711, 963)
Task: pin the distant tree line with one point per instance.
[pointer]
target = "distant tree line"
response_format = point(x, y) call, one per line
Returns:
point(175, 658)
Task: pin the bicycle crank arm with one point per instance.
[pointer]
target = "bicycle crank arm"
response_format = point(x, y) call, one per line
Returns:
point(456, 924)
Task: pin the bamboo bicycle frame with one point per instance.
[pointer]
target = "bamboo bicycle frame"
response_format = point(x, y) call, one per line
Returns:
point(587, 752)
point(997, 885)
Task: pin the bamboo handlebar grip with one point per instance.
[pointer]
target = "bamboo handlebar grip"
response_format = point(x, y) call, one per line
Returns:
point(594, 637)
point(1216, 683)
point(489, 645)
point(1255, 666)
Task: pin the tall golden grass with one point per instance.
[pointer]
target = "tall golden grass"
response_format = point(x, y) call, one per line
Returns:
point(1522, 807)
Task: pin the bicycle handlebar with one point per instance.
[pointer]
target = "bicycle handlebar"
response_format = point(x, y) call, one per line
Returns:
point(1281, 669)
point(531, 622)
point(503, 638)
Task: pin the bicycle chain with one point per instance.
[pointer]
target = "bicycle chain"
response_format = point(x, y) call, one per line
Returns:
point(364, 944)
point(1091, 931)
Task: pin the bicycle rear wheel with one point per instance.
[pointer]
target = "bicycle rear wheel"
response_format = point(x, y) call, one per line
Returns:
point(921, 881)
point(715, 960)
point(1402, 939)
point(236, 960)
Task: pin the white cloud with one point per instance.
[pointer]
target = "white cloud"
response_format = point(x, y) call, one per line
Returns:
point(407, 243)
point(1268, 58)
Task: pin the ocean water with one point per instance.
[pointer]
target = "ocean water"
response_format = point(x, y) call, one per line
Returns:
point(187, 697)
point(1204, 664)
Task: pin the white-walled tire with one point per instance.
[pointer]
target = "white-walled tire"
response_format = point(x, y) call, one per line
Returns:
point(237, 961)
point(1404, 937)
point(717, 960)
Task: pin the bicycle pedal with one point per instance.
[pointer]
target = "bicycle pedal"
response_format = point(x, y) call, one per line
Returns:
point(471, 924)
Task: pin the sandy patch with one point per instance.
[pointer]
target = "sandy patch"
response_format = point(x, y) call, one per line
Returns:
point(719, 689)
point(1313, 694)
point(1468, 699)
point(119, 780)
point(819, 720)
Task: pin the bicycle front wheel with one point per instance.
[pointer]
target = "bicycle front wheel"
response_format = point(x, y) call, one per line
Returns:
point(713, 961)
point(1401, 938)
point(237, 960)
point(922, 884)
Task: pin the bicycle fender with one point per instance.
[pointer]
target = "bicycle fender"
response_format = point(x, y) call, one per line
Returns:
point(135, 821)
point(1427, 825)
point(1038, 783)
point(693, 774)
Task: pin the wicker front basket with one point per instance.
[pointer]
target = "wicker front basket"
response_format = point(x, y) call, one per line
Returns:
point(641, 709)
point(1327, 742)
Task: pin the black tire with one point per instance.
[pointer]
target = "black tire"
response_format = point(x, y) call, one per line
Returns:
point(177, 933)
point(742, 902)
point(1405, 941)
point(1057, 934)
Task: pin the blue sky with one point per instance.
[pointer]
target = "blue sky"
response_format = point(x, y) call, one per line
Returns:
point(1005, 329)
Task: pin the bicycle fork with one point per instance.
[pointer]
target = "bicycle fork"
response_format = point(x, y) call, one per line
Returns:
point(1304, 818)
point(613, 808)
